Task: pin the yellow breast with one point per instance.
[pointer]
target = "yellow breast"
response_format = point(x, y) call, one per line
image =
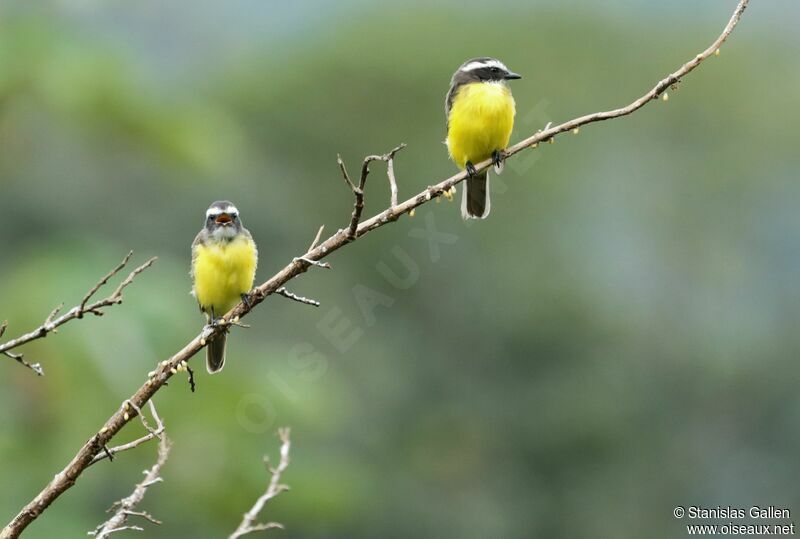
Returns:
point(480, 122)
point(223, 271)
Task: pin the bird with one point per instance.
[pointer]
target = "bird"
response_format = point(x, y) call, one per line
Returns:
point(480, 117)
point(224, 260)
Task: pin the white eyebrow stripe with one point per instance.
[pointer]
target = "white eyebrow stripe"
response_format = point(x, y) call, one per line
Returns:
point(472, 66)
point(218, 211)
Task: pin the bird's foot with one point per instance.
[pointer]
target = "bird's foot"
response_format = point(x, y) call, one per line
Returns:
point(498, 156)
point(215, 323)
point(471, 169)
point(246, 299)
point(498, 160)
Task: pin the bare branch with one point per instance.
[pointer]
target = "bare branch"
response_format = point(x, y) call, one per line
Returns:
point(345, 175)
point(191, 378)
point(35, 367)
point(51, 323)
point(109, 452)
point(248, 523)
point(389, 158)
point(285, 293)
point(390, 174)
point(101, 282)
point(125, 507)
point(358, 190)
point(161, 375)
point(313, 243)
point(306, 262)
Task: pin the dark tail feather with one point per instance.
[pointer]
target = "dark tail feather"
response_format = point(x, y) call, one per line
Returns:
point(215, 353)
point(475, 202)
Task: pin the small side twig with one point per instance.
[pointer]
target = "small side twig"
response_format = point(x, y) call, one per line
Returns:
point(35, 367)
point(191, 378)
point(390, 173)
point(358, 190)
point(313, 243)
point(249, 523)
point(52, 322)
point(285, 293)
point(311, 262)
point(157, 432)
point(101, 282)
point(125, 508)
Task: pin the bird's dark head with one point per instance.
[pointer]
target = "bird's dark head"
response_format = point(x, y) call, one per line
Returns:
point(222, 220)
point(483, 69)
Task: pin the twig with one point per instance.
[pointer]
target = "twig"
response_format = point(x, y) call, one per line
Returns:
point(248, 523)
point(285, 293)
point(306, 262)
point(389, 158)
point(35, 367)
point(313, 243)
point(101, 282)
point(51, 323)
point(191, 378)
point(358, 190)
point(345, 175)
point(67, 477)
point(125, 507)
point(151, 433)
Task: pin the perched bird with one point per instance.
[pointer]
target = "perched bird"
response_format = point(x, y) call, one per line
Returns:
point(480, 116)
point(224, 259)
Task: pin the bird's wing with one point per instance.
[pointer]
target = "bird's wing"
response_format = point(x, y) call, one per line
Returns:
point(448, 102)
point(198, 240)
point(250, 237)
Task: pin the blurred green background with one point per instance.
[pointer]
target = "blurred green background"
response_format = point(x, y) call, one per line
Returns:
point(618, 338)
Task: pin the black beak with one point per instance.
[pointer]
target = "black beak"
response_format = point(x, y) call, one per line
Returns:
point(513, 76)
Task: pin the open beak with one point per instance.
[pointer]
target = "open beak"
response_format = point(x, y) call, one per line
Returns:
point(512, 76)
point(223, 219)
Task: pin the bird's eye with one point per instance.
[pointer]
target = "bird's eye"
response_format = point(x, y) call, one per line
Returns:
point(234, 216)
point(495, 70)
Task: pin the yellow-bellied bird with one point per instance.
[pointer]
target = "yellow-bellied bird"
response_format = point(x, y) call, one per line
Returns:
point(480, 116)
point(224, 258)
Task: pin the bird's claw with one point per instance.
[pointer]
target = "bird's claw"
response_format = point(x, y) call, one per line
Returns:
point(497, 158)
point(218, 323)
point(471, 169)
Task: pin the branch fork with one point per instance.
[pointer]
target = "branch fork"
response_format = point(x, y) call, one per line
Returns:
point(358, 190)
point(125, 508)
point(51, 323)
point(249, 523)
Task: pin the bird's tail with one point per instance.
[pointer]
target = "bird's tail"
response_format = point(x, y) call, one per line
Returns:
point(215, 353)
point(475, 203)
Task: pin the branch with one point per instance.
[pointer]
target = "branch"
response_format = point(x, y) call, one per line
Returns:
point(125, 507)
point(51, 323)
point(300, 299)
point(358, 191)
point(151, 433)
point(67, 477)
point(249, 523)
